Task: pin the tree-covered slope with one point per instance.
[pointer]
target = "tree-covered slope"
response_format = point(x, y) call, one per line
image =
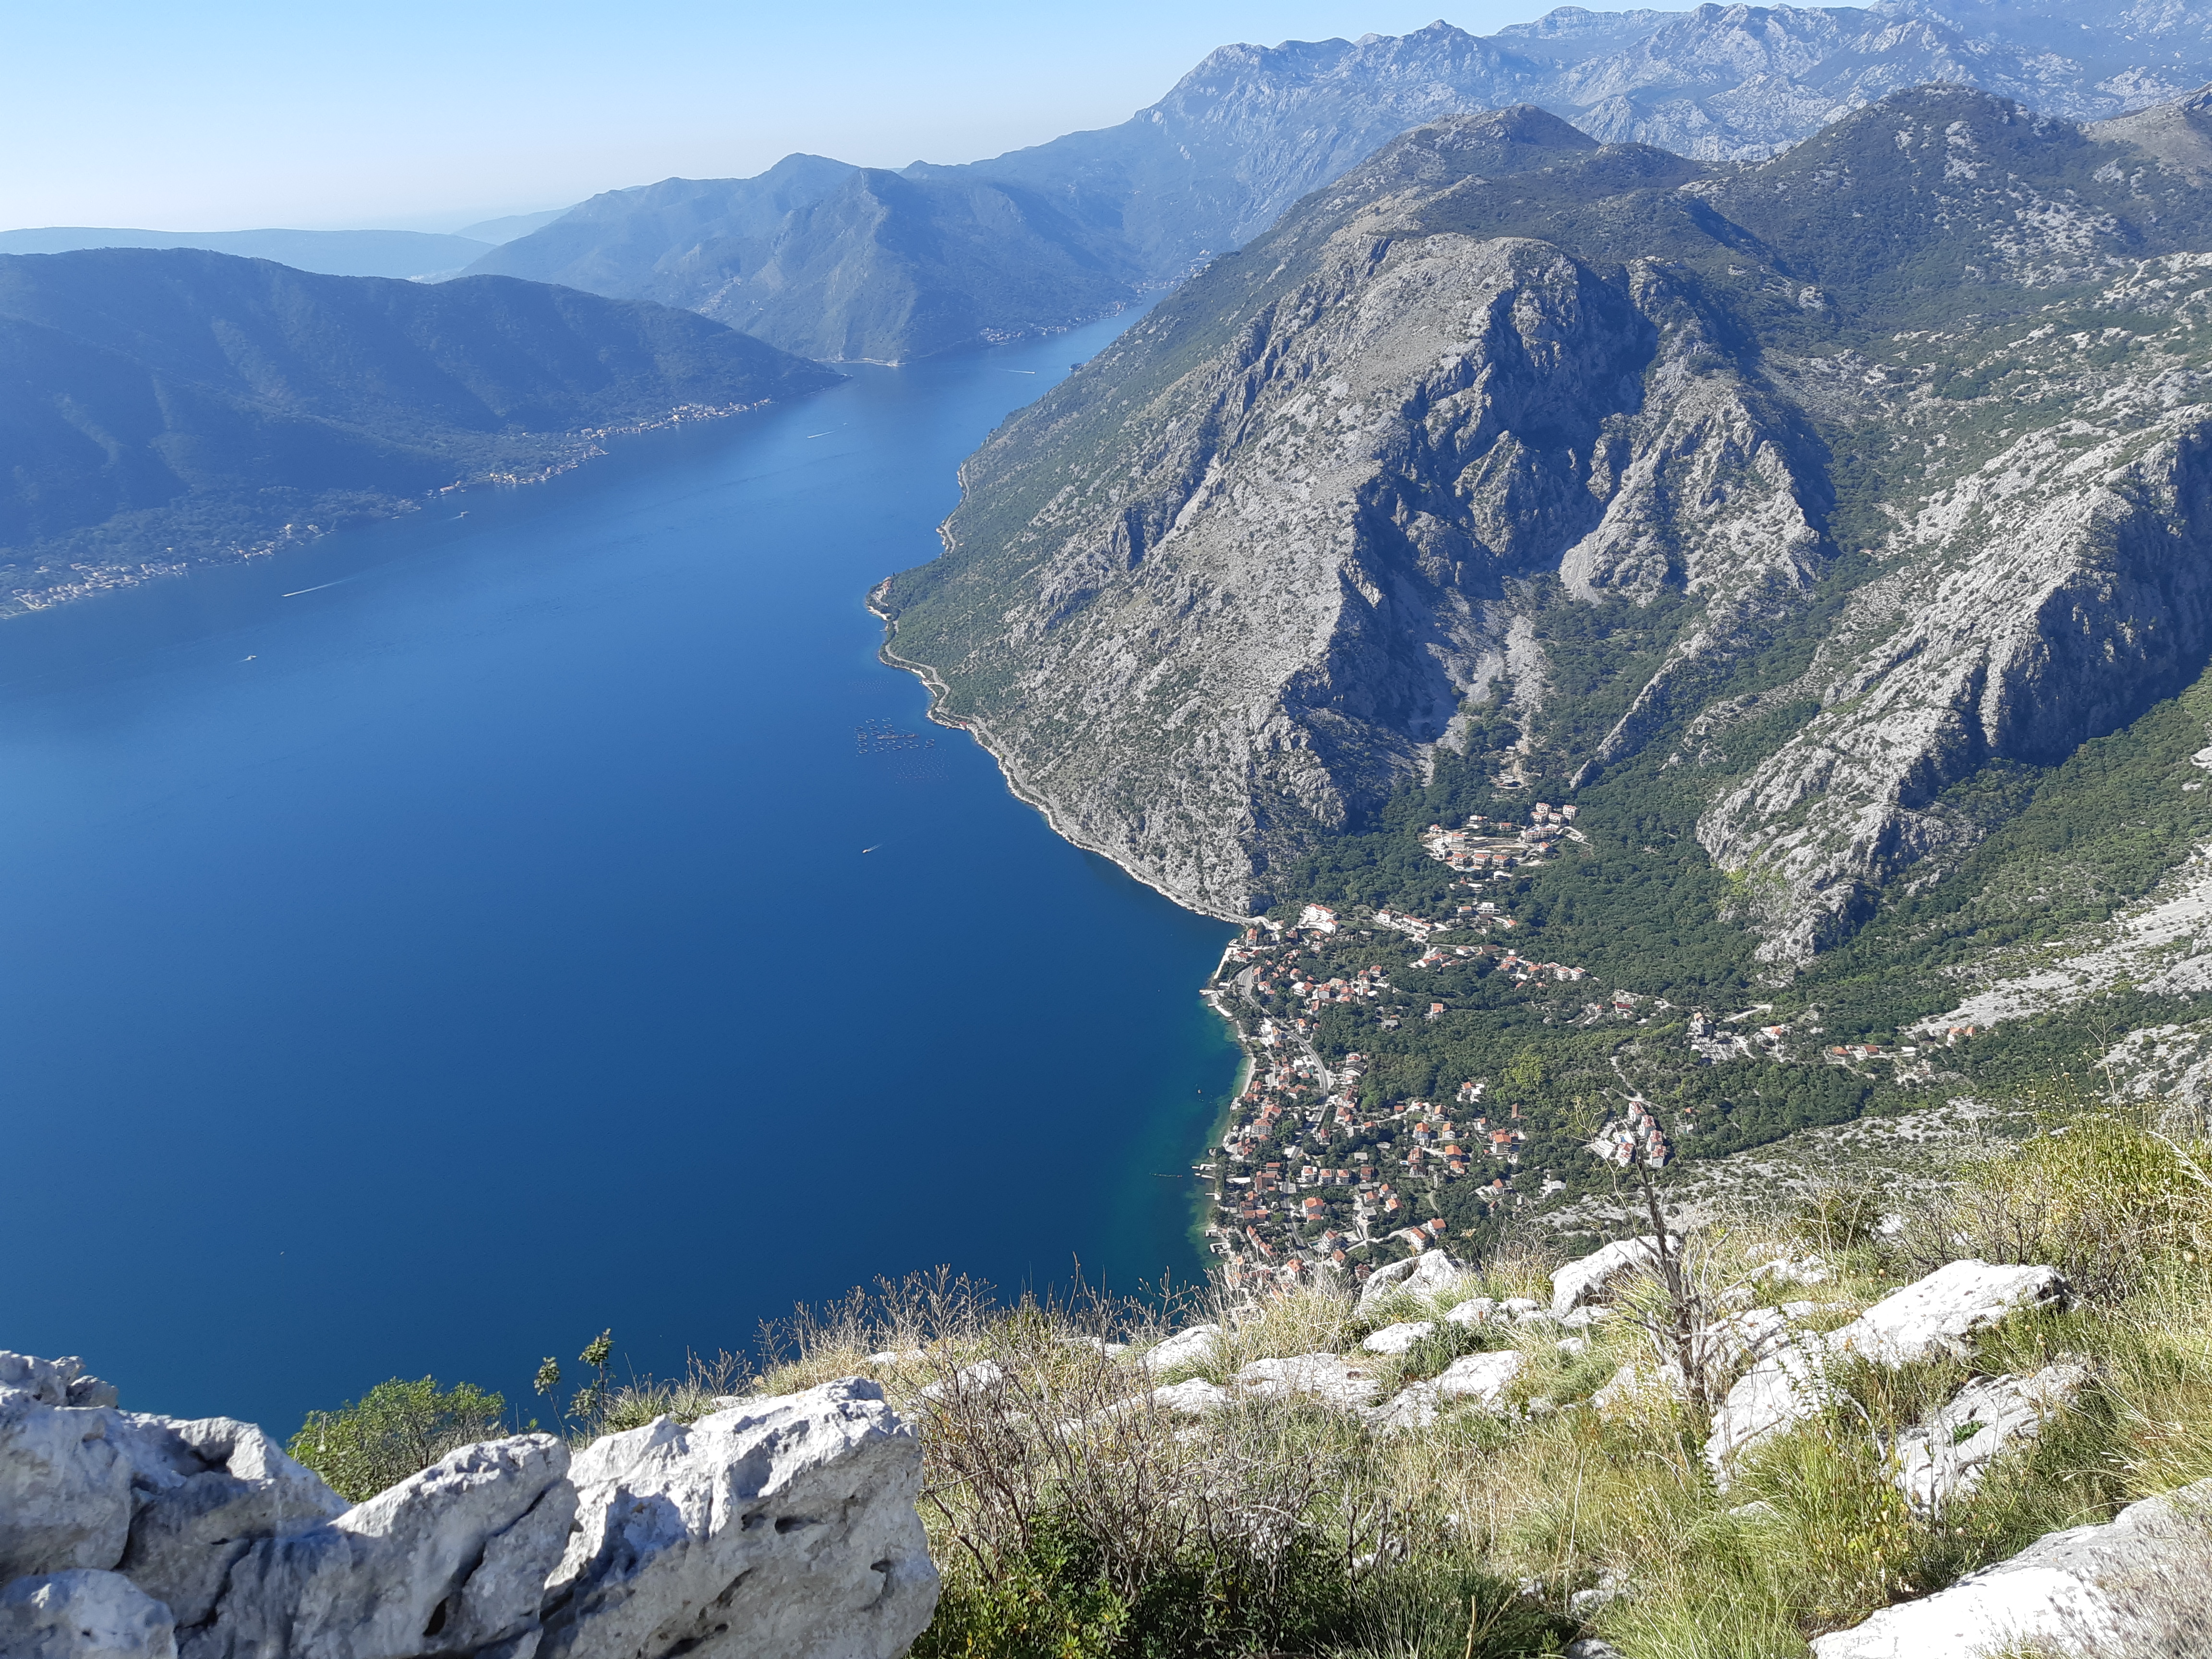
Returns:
point(836, 262)
point(159, 406)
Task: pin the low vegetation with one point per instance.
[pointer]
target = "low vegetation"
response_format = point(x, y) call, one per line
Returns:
point(1075, 1515)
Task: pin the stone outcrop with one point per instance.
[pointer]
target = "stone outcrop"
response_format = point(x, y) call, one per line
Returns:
point(1479, 1378)
point(776, 1525)
point(1327, 1377)
point(1941, 1314)
point(1946, 1457)
point(1193, 1346)
point(1596, 1276)
point(1429, 1273)
point(782, 1526)
point(2139, 1585)
point(83, 1614)
point(1935, 1317)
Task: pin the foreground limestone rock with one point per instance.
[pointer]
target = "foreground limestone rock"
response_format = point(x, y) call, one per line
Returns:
point(1946, 1457)
point(1599, 1274)
point(205, 1490)
point(452, 1560)
point(1936, 1316)
point(1425, 1274)
point(83, 1614)
point(1482, 1378)
point(1941, 1313)
point(65, 1489)
point(1193, 1346)
point(2140, 1585)
point(783, 1526)
point(1328, 1377)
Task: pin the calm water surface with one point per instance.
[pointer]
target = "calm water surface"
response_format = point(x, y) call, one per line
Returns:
point(425, 950)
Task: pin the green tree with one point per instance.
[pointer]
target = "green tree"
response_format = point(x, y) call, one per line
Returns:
point(393, 1430)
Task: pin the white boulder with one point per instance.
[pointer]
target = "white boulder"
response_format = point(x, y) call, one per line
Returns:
point(54, 1382)
point(1328, 1377)
point(1425, 1274)
point(1397, 1339)
point(2139, 1585)
point(64, 1487)
point(83, 1614)
point(1193, 1346)
point(1791, 1384)
point(783, 1526)
point(1939, 1314)
point(1193, 1397)
point(1596, 1276)
point(1475, 1311)
point(1946, 1455)
point(1482, 1377)
point(451, 1560)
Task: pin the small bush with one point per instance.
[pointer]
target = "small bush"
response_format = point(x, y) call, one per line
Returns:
point(2100, 1195)
point(396, 1429)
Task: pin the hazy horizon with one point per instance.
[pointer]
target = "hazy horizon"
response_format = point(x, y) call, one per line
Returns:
point(246, 116)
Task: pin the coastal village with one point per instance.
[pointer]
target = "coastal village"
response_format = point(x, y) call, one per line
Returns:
point(1317, 1172)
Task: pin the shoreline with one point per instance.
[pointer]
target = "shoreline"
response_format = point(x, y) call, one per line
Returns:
point(1205, 1200)
point(1020, 789)
point(89, 578)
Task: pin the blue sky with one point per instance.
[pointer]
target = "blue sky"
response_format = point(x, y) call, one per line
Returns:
point(233, 114)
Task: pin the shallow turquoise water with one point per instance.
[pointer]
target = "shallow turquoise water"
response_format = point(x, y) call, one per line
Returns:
point(424, 950)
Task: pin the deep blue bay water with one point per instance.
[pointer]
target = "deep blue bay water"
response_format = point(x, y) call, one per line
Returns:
point(426, 949)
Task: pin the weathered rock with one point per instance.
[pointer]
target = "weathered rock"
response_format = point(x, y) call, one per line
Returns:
point(1325, 1376)
point(1193, 1397)
point(1598, 1275)
point(64, 1488)
point(451, 1560)
point(1192, 1346)
point(1473, 1311)
point(1397, 1339)
point(2140, 1586)
point(1633, 1384)
point(1786, 1387)
point(783, 1526)
point(1425, 1274)
point(1482, 1377)
point(205, 1490)
point(83, 1614)
point(1941, 1312)
point(1946, 1456)
point(1931, 1318)
point(54, 1382)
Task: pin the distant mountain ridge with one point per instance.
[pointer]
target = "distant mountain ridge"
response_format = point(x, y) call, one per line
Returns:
point(837, 262)
point(163, 406)
point(816, 259)
point(327, 252)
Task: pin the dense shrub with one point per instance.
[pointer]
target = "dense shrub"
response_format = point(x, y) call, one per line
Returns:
point(395, 1430)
